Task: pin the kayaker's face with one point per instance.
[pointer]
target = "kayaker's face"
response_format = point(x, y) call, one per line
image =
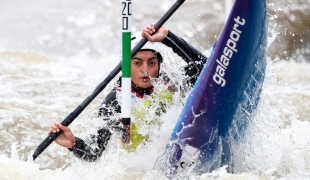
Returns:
point(143, 66)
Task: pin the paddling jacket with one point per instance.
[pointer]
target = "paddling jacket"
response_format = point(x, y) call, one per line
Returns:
point(91, 150)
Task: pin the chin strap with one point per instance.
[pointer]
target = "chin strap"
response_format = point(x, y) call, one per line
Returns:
point(142, 91)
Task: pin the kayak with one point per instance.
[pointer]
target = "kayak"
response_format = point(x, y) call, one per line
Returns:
point(225, 96)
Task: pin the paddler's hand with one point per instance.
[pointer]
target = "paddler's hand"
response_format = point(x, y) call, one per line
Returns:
point(66, 138)
point(159, 36)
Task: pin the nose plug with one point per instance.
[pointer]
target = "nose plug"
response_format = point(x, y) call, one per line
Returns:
point(146, 73)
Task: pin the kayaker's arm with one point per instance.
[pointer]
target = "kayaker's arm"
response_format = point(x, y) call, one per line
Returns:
point(85, 152)
point(194, 58)
point(109, 105)
point(83, 149)
point(182, 48)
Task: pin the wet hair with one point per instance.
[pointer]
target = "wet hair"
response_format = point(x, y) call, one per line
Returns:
point(159, 57)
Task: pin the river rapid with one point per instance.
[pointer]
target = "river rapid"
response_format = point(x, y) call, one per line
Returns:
point(54, 53)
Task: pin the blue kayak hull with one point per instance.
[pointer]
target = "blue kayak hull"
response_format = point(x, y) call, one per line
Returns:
point(225, 95)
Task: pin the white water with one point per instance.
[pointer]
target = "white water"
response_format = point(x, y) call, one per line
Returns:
point(54, 53)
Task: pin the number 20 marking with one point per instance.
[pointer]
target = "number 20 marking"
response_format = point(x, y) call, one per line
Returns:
point(126, 11)
point(126, 6)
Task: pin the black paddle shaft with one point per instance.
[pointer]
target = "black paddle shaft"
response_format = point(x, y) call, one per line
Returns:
point(70, 118)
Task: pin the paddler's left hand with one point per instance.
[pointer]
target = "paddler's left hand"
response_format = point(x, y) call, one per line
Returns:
point(159, 36)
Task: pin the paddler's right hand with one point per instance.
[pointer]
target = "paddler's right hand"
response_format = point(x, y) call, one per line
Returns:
point(66, 138)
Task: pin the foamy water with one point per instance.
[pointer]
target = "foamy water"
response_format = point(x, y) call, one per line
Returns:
point(54, 53)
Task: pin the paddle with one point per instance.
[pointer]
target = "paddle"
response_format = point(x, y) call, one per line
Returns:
point(70, 118)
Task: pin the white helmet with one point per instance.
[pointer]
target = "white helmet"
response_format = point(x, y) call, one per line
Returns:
point(154, 46)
